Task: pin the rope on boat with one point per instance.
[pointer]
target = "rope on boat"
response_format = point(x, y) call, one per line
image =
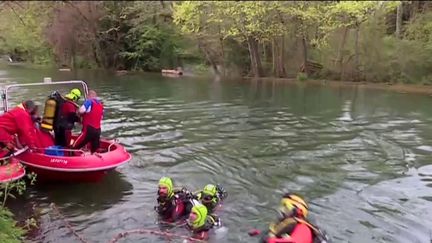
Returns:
point(66, 223)
point(154, 232)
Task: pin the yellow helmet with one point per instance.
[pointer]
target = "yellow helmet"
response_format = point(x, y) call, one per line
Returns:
point(210, 189)
point(291, 203)
point(168, 183)
point(201, 215)
point(74, 94)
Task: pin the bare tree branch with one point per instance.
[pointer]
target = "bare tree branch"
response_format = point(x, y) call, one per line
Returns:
point(17, 15)
point(78, 10)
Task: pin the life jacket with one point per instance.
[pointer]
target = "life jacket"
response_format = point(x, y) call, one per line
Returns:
point(288, 225)
point(94, 117)
point(175, 208)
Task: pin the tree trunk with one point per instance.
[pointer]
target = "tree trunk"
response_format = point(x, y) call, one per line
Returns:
point(356, 58)
point(414, 9)
point(95, 56)
point(279, 57)
point(274, 58)
point(208, 57)
point(399, 20)
point(222, 46)
point(256, 66)
point(252, 59)
point(73, 55)
point(339, 56)
point(305, 59)
point(223, 56)
point(282, 72)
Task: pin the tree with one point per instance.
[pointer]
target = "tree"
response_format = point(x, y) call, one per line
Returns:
point(114, 27)
point(307, 16)
point(350, 15)
point(21, 30)
point(152, 41)
point(244, 21)
point(74, 31)
point(197, 19)
point(399, 20)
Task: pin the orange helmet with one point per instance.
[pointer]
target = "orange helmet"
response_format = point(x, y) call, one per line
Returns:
point(293, 205)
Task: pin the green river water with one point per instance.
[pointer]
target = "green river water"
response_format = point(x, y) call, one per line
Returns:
point(362, 158)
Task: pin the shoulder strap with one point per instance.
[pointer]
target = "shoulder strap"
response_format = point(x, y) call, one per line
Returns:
point(303, 221)
point(276, 229)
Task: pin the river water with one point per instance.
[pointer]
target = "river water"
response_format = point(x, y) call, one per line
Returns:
point(362, 158)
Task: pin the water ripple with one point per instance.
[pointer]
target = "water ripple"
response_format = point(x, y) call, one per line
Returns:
point(361, 160)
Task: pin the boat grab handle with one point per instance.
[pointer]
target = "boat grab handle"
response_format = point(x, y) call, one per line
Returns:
point(114, 141)
point(66, 150)
point(15, 154)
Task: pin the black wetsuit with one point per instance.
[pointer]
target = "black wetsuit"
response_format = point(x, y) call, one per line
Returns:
point(174, 208)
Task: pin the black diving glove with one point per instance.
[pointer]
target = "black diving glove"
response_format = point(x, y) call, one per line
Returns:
point(221, 192)
point(186, 194)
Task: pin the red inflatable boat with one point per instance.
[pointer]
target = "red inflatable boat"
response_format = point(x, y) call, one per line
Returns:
point(76, 165)
point(54, 163)
point(11, 171)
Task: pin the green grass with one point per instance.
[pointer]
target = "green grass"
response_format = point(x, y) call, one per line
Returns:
point(9, 232)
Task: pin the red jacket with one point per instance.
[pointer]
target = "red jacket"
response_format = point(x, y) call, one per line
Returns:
point(93, 118)
point(18, 121)
point(301, 234)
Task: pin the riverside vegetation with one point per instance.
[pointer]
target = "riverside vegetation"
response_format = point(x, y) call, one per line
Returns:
point(373, 41)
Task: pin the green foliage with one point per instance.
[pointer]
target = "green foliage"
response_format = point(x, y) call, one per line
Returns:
point(152, 42)
point(383, 58)
point(189, 16)
point(8, 230)
point(158, 34)
point(237, 57)
point(302, 77)
point(19, 186)
point(409, 60)
point(21, 32)
point(420, 28)
point(85, 63)
point(153, 48)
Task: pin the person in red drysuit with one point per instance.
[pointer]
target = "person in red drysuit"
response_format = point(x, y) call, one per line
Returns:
point(19, 121)
point(92, 112)
point(67, 116)
point(293, 225)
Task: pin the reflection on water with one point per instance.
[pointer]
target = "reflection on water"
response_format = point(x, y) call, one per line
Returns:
point(360, 157)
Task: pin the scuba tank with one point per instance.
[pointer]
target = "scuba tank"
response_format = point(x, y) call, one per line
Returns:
point(51, 111)
point(49, 114)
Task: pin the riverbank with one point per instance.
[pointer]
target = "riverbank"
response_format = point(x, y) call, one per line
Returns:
point(399, 88)
point(10, 231)
point(195, 71)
